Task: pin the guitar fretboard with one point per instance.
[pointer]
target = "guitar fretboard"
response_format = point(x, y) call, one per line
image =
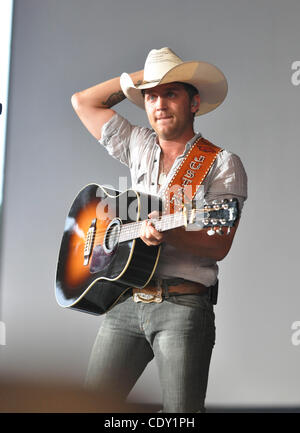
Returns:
point(132, 231)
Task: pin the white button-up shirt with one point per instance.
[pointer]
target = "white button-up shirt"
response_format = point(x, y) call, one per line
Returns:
point(138, 148)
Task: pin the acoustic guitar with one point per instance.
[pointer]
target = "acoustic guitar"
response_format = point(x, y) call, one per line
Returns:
point(101, 254)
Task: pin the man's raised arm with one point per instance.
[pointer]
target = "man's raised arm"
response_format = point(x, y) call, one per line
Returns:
point(93, 105)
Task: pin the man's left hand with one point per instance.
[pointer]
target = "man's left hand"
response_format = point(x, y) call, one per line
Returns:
point(149, 234)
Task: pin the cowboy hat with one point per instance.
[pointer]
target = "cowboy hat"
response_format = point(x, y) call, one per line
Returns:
point(164, 66)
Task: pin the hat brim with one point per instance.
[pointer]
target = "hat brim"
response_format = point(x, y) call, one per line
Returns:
point(207, 78)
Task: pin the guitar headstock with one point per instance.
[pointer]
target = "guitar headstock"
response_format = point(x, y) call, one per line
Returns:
point(216, 216)
point(219, 214)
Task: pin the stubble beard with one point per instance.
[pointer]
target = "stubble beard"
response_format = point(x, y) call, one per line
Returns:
point(172, 131)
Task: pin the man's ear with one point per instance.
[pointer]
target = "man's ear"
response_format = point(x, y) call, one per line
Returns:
point(195, 103)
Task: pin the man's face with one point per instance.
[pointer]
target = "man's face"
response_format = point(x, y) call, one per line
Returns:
point(169, 110)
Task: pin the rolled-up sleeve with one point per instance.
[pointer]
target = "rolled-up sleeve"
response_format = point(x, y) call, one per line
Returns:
point(116, 138)
point(128, 143)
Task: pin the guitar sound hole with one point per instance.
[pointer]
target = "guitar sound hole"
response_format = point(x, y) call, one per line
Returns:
point(112, 235)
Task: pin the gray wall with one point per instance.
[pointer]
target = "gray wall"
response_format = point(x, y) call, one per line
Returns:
point(61, 46)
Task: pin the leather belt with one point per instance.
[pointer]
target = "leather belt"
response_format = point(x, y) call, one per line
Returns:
point(160, 289)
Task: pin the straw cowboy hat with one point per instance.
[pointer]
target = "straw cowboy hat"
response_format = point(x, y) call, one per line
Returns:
point(164, 66)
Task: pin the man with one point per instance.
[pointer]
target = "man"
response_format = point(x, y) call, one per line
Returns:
point(177, 327)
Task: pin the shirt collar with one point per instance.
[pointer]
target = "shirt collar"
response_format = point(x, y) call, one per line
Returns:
point(190, 143)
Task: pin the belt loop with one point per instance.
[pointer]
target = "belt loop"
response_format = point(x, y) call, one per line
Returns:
point(164, 285)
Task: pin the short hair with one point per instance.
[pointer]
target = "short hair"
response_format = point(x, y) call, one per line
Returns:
point(190, 89)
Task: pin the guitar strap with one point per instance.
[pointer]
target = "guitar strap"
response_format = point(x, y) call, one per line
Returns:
point(181, 190)
point(190, 174)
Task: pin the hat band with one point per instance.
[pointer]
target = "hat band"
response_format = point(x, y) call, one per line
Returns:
point(148, 82)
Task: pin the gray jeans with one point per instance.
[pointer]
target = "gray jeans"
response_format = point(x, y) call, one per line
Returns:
point(179, 333)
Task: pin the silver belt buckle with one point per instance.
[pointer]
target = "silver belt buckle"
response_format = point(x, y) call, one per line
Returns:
point(148, 297)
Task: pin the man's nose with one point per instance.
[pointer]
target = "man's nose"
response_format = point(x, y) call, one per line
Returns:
point(160, 103)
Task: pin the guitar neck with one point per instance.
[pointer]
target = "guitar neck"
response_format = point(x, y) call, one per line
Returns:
point(217, 215)
point(132, 231)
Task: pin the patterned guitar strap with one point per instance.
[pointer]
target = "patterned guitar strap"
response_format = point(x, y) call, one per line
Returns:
point(190, 175)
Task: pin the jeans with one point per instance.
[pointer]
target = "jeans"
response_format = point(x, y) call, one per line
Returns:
point(179, 333)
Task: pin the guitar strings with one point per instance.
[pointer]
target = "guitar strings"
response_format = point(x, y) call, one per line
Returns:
point(130, 228)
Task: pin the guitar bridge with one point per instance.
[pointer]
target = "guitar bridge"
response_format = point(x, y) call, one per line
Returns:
point(89, 243)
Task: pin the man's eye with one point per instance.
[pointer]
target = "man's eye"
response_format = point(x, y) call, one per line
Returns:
point(171, 94)
point(151, 98)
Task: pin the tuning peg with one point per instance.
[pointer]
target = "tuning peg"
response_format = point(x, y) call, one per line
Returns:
point(228, 231)
point(219, 231)
point(210, 232)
